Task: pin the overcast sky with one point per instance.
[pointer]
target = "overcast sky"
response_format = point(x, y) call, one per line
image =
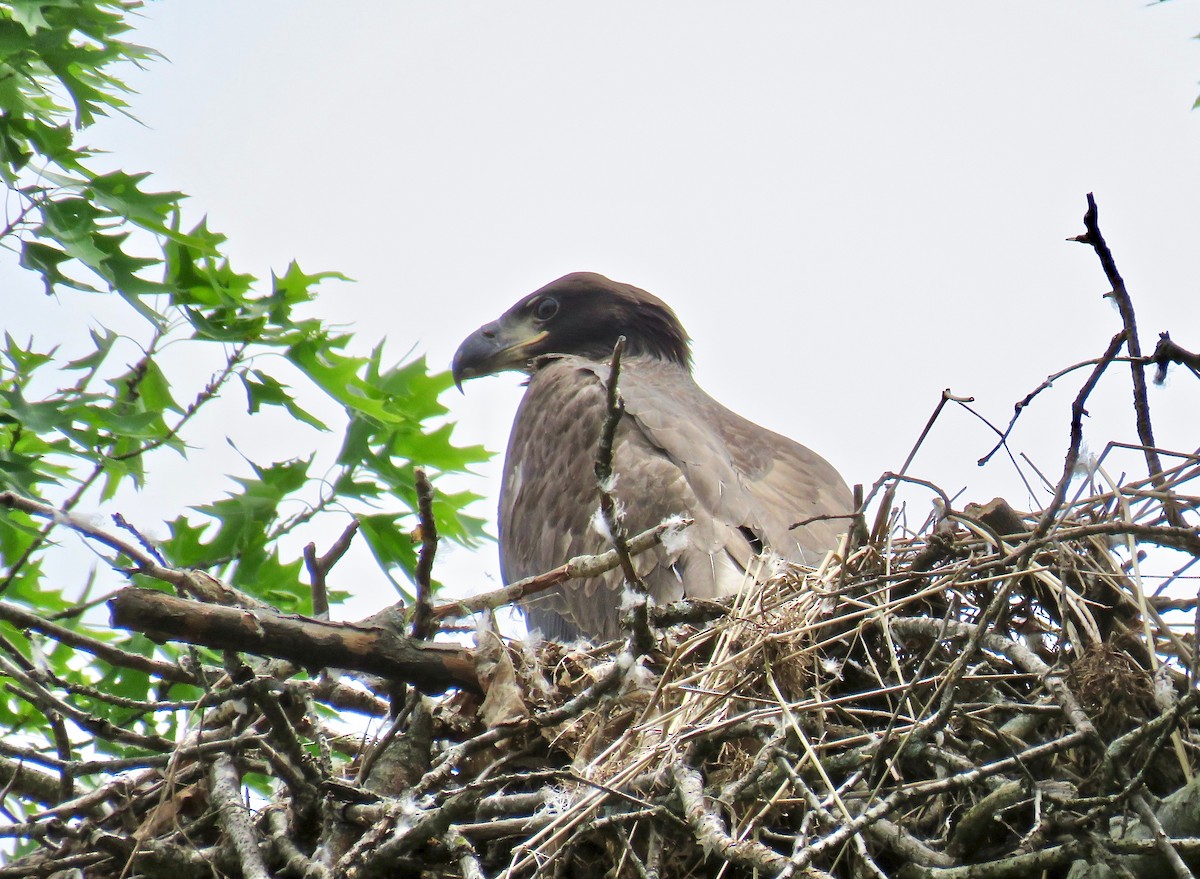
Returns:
point(850, 206)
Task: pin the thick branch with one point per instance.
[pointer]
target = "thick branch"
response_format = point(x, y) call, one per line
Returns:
point(432, 668)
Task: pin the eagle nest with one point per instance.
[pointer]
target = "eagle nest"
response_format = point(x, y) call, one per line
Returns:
point(998, 696)
point(980, 700)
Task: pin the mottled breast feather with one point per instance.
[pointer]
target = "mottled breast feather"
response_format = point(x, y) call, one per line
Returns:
point(677, 451)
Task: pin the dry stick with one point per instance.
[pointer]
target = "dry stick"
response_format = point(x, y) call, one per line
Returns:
point(453, 756)
point(711, 833)
point(1038, 862)
point(295, 862)
point(900, 796)
point(885, 505)
point(886, 832)
point(1022, 404)
point(464, 853)
point(234, 817)
point(579, 567)
point(614, 409)
point(1030, 662)
point(193, 582)
point(319, 568)
point(26, 621)
point(32, 691)
point(1141, 402)
point(641, 639)
point(292, 761)
point(422, 624)
point(1078, 410)
point(1001, 443)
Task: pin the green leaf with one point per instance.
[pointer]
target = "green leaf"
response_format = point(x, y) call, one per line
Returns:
point(391, 545)
point(264, 390)
point(244, 517)
point(103, 341)
point(45, 260)
point(120, 193)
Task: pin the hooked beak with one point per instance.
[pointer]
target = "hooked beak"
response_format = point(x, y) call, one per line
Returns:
point(494, 348)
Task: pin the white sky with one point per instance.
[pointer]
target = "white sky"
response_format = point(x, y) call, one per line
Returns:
point(850, 206)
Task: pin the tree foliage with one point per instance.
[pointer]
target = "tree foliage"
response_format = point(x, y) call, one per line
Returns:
point(178, 332)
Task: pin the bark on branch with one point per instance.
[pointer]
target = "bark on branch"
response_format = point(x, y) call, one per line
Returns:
point(430, 667)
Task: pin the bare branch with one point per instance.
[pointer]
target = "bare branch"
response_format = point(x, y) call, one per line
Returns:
point(310, 643)
point(423, 618)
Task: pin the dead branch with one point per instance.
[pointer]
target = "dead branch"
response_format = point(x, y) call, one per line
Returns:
point(194, 583)
point(580, 567)
point(422, 624)
point(319, 568)
point(637, 615)
point(235, 819)
point(309, 643)
point(1078, 410)
point(1141, 401)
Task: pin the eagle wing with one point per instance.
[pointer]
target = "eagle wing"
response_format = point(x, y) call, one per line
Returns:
point(677, 451)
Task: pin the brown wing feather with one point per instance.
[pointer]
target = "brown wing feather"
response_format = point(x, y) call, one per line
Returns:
point(747, 475)
point(677, 451)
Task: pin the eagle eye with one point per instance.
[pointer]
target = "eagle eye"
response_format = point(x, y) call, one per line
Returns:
point(545, 308)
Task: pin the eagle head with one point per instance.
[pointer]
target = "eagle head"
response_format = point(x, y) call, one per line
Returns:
point(581, 313)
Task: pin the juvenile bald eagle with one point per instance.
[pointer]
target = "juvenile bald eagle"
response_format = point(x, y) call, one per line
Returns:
point(677, 451)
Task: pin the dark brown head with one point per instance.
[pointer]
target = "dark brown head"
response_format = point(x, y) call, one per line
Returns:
point(582, 313)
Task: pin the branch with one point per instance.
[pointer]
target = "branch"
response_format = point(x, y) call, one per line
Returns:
point(234, 817)
point(193, 582)
point(637, 618)
point(26, 621)
point(580, 567)
point(422, 624)
point(885, 506)
point(1078, 410)
point(432, 668)
point(1167, 352)
point(319, 568)
point(711, 833)
point(1141, 402)
point(1022, 404)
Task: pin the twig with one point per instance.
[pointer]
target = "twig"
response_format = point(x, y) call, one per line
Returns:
point(208, 392)
point(1141, 401)
point(235, 818)
point(452, 757)
point(885, 505)
point(710, 829)
point(1023, 403)
point(26, 621)
point(193, 582)
point(295, 862)
point(1078, 410)
point(423, 618)
point(320, 566)
point(47, 702)
point(580, 567)
point(641, 639)
point(464, 852)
